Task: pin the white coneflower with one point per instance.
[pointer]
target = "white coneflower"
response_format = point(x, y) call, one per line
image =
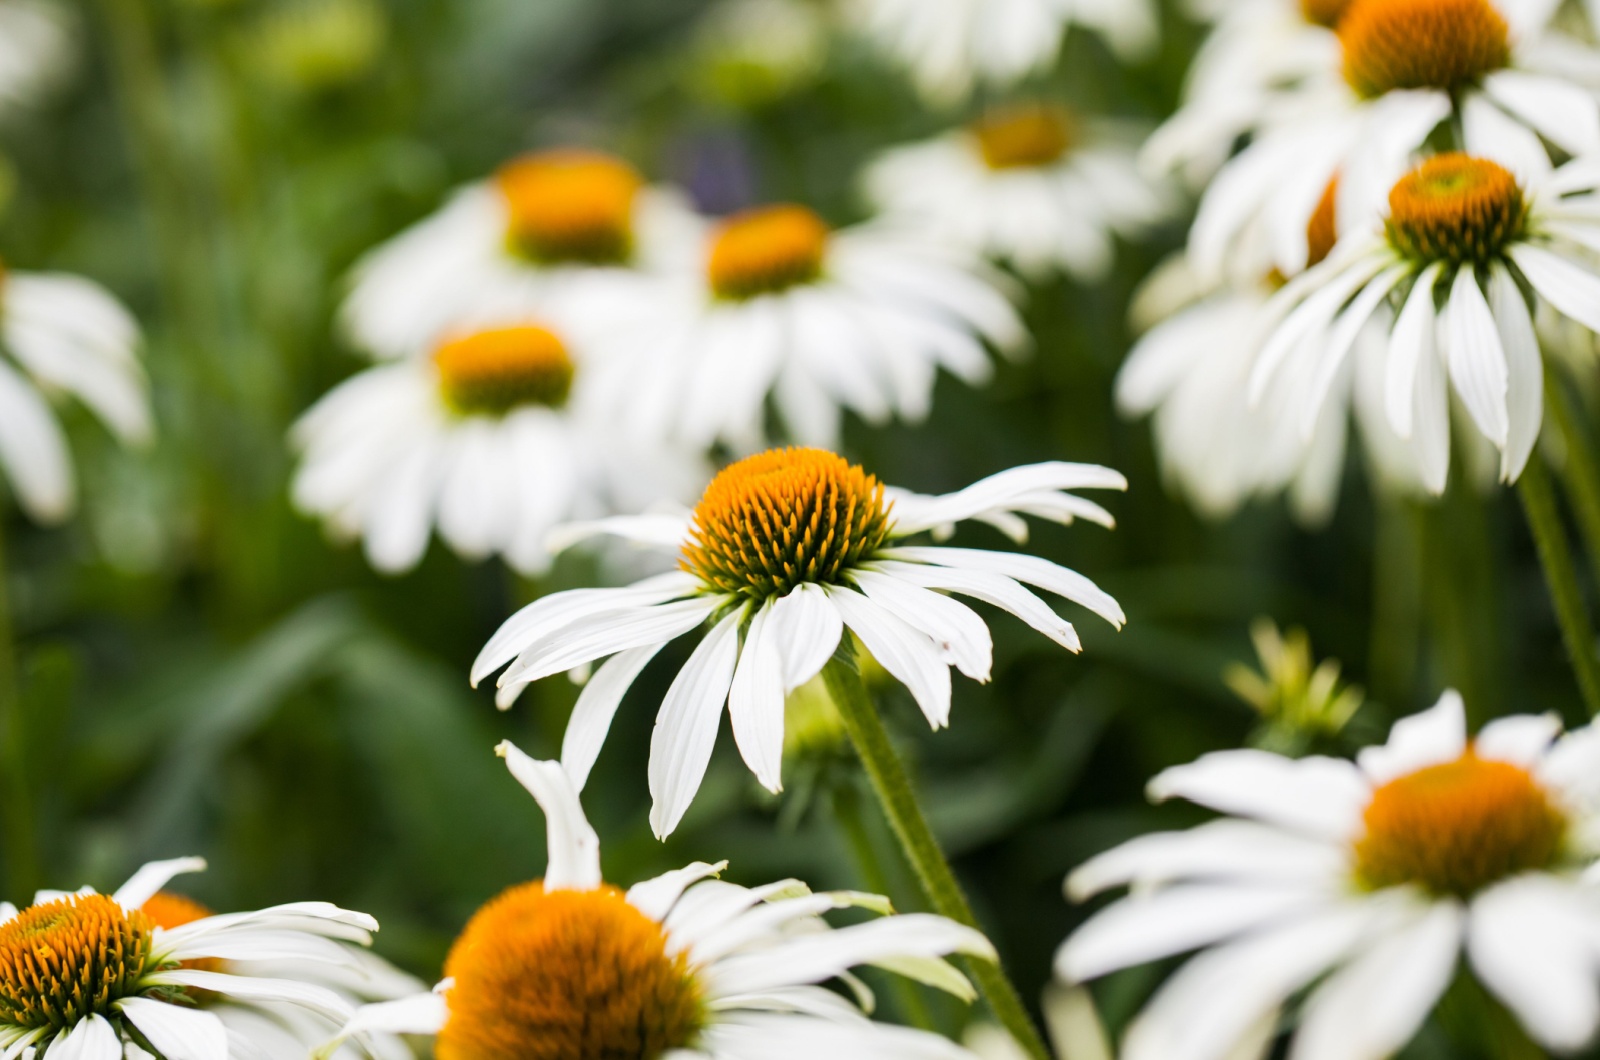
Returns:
point(62, 334)
point(553, 227)
point(1029, 183)
point(1461, 236)
point(93, 977)
point(1363, 885)
point(952, 46)
point(681, 966)
point(487, 440)
point(786, 550)
point(772, 302)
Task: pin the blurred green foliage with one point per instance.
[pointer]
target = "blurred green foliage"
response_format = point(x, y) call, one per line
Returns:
point(204, 673)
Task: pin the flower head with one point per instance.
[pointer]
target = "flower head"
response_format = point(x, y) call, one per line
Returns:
point(572, 968)
point(1409, 44)
point(785, 550)
point(1366, 882)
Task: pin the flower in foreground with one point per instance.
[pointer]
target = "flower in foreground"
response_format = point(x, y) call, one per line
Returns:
point(569, 227)
point(1461, 240)
point(487, 439)
point(1029, 183)
point(951, 46)
point(785, 550)
point(94, 977)
point(572, 968)
point(1367, 879)
point(62, 334)
point(773, 302)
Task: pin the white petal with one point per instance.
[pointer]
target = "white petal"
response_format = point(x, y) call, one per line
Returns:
point(317, 999)
point(994, 589)
point(33, 450)
point(151, 878)
point(1477, 361)
point(1225, 849)
point(596, 706)
point(1524, 371)
point(598, 636)
point(1521, 739)
point(957, 630)
point(1438, 734)
point(177, 1033)
point(574, 848)
point(1030, 570)
point(1535, 942)
point(909, 655)
point(755, 701)
point(686, 726)
point(1572, 289)
point(807, 629)
point(655, 898)
point(1322, 797)
point(1564, 114)
point(92, 1038)
point(418, 1014)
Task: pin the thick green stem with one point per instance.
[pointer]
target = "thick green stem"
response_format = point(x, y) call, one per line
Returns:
point(1580, 472)
point(1555, 555)
point(22, 858)
point(893, 788)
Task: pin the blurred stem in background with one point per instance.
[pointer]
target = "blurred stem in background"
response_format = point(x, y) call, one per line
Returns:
point(21, 848)
point(1395, 638)
point(893, 788)
point(1580, 472)
point(1560, 574)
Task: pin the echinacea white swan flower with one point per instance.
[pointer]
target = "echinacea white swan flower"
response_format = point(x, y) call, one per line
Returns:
point(1367, 882)
point(62, 334)
point(1406, 67)
point(1031, 184)
point(773, 303)
point(93, 977)
point(487, 440)
point(558, 227)
point(684, 966)
point(950, 47)
point(1461, 238)
point(786, 550)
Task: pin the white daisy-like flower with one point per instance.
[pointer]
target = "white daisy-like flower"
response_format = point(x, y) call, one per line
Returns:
point(62, 334)
point(785, 550)
point(1259, 55)
point(1461, 237)
point(681, 966)
point(551, 227)
point(1407, 66)
point(487, 440)
point(35, 48)
point(284, 1030)
point(92, 977)
point(1367, 882)
point(1028, 183)
point(951, 47)
point(773, 302)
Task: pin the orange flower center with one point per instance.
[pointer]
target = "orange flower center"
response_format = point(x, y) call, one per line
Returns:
point(1442, 44)
point(777, 519)
point(1323, 12)
point(1024, 135)
point(167, 910)
point(566, 975)
point(1458, 827)
point(66, 959)
point(1457, 209)
point(765, 251)
point(1322, 231)
point(490, 373)
point(570, 207)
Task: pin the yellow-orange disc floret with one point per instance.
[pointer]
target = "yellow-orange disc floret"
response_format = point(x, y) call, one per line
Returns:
point(1440, 44)
point(570, 207)
point(1458, 827)
point(65, 959)
point(167, 910)
point(1024, 135)
point(566, 975)
point(1324, 12)
point(783, 517)
point(1457, 209)
point(765, 251)
point(1322, 231)
point(489, 373)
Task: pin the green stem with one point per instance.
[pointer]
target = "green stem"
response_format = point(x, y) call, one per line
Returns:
point(1580, 472)
point(893, 788)
point(1555, 555)
point(22, 859)
point(1396, 601)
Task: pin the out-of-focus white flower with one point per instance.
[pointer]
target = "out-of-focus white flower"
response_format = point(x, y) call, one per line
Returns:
point(771, 302)
point(35, 48)
point(1406, 66)
point(952, 46)
point(785, 550)
point(683, 965)
point(90, 976)
point(1028, 183)
point(1366, 882)
point(1456, 228)
point(750, 52)
point(62, 334)
point(578, 230)
point(487, 439)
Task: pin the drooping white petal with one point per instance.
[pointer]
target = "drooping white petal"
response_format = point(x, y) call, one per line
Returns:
point(91, 1038)
point(1030, 570)
point(686, 726)
point(33, 451)
point(1226, 849)
point(596, 706)
point(908, 654)
point(655, 897)
point(994, 589)
point(756, 700)
point(1438, 734)
point(318, 999)
point(1322, 797)
point(574, 848)
point(1535, 941)
point(606, 634)
point(958, 632)
point(1476, 356)
point(177, 1033)
point(807, 629)
point(418, 1014)
point(1524, 371)
point(1573, 290)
